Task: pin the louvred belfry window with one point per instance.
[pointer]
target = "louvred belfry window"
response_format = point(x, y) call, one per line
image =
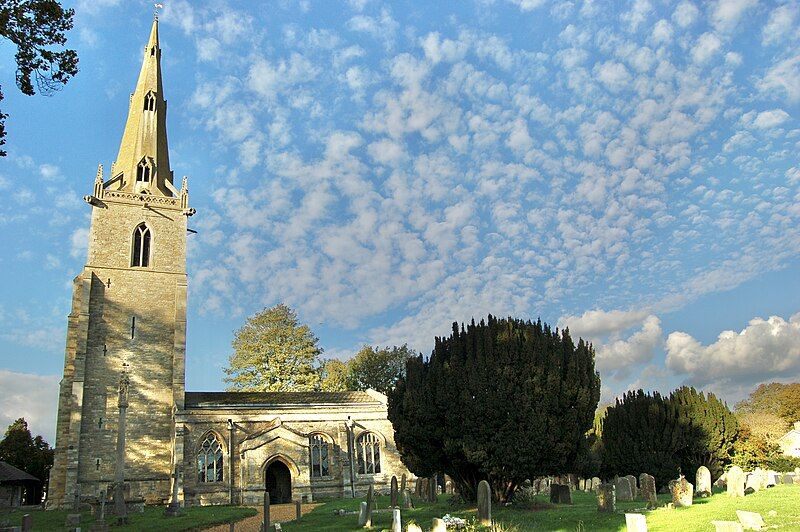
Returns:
point(368, 449)
point(209, 460)
point(140, 256)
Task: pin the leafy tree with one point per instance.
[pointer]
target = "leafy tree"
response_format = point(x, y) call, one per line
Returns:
point(504, 400)
point(333, 376)
point(752, 450)
point(32, 455)
point(765, 425)
point(273, 352)
point(377, 367)
point(782, 400)
point(34, 27)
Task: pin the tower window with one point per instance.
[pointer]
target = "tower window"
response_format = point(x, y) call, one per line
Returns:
point(144, 171)
point(150, 102)
point(97, 464)
point(133, 327)
point(141, 246)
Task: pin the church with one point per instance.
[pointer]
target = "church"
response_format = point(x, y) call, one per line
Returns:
point(128, 323)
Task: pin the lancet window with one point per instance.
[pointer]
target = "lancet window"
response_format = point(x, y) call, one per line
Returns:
point(319, 456)
point(209, 460)
point(140, 256)
point(368, 451)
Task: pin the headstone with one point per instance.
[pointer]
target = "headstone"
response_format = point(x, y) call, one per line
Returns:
point(438, 525)
point(362, 514)
point(623, 489)
point(27, 523)
point(682, 493)
point(727, 526)
point(266, 510)
point(596, 483)
point(636, 522)
point(73, 520)
point(393, 493)
point(432, 487)
point(403, 483)
point(606, 498)
point(397, 526)
point(407, 502)
point(484, 503)
point(703, 482)
point(560, 494)
point(647, 485)
point(449, 487)
point(298, 510)
point(370, 505)
point(735, 481)
point(788, 478)
point(634, 489)
point(750, 520)
point(413, 527)
point(773, 478)
point(418, 488)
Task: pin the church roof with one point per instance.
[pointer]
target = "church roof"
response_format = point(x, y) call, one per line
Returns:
point(252, 399)
point(9, 473)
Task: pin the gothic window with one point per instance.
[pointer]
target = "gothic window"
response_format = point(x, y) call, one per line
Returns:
point(150, 102)
point(144, 171)
point(141, 246)
point(319, 456)
point(368, 450)
point(209, 460)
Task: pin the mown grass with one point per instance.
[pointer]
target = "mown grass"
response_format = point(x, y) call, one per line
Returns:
point(153, 518)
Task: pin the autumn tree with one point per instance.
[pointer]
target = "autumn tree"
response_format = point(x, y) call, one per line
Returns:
point(36, 27)
point(782, 400)
point(32, 455)
point(378, 368)
point(274, 352)
point(333, 376)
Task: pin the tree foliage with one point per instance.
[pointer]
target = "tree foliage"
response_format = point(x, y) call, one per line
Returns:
point(378, 368)
point(35, 27)
point(782, 400)
point(753, 450)
point(274, 352)
point(504, 400)
point(333, 376)
point(662, 436)
point(23, 451)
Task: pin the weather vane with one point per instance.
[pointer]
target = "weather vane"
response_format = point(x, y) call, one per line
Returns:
point(156, 7)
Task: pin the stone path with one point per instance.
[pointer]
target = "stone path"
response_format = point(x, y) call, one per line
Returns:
point(278, 513)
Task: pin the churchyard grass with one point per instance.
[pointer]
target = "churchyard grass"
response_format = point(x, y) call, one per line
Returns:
point(582, 515)
point(152, 519)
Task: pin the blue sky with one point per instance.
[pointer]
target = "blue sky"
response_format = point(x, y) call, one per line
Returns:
point(628, 169)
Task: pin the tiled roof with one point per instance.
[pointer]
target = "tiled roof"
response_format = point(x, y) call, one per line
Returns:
point(9, 473)
point(205, 399)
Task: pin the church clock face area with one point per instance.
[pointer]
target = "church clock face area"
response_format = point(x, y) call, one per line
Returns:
point(127, 328)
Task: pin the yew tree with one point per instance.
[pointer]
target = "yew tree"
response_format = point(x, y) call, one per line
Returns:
point(503, 400)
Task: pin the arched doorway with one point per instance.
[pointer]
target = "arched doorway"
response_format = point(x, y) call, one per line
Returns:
point(278, 482)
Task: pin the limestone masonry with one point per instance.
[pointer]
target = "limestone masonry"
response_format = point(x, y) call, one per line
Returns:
point(129, 316)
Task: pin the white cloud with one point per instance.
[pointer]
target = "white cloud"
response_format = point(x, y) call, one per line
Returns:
point(781, 21)
point(783, 77)
point(770, 119)
point(613, 75)
point(622, 356)
point(595, 323)
point(386, 152)
point(725, 14)
point(382, 28)
point(685, 14)
point(528, 5)
point(708, 44)
point(34, 397)
point(269, 80)
point(764, 349)
point(79, 242)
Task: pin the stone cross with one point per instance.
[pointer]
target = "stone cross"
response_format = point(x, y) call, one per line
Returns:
point(484, 503)
point(703, 482)
point(120, 508)
point(174, 508)
point(393, 493)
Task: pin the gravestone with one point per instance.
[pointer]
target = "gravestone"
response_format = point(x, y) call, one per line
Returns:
point(606, 498)
point(418, 488)
point(484, 503)
point(433, 496)
point(403, 483)
point(370, 505)
point(636, 522)
point(393, 493)
point(413, 527)
point(727, 526)
point(266, 510)
point(735, 479)
point(560, 494)
point(703, 482)
point(623, 489)
point(73, 521)
point(682, 492)
point(449, 487)
point(750, 520)
point(788, 478)
point(362, 514)
point(596, 483)
point(27, 523)
point(634, 489)
point(407, 502)
point(773, 478)
point(397, 525)
point(438, 525)
point(647, 485)
point(298, 510)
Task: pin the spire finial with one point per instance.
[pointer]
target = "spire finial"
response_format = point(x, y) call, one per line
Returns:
point(156, 7)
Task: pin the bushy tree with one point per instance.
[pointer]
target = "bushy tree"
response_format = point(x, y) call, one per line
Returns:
point(333, 376)
point(782, 400)
point(32, 455)
point(274, 352)
point(378, 368)
point(504, 400)
point(752, 450)
point(34, 27)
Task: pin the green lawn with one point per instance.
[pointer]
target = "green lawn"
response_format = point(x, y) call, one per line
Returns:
point(582, 515)
point(152, 519)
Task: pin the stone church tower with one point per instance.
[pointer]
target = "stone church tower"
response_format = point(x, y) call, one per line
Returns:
point(128, 314)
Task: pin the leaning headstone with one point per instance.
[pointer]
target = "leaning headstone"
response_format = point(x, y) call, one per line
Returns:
point(407, 502)
point(727, 526)
point(750, 520)
point(413, 527)
point(393, 493)
point(438, 525)
point(484, 503)
point(606, 498)
point(647, 486)
point(397, 526)
point(703, 482)
point(735, 480)
point(362, 514)
point(623, 489)
point(634, 489)
point(682, 492)
point(370, 505)
point(636, 522)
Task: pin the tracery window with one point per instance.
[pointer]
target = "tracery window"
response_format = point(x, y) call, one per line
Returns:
point(368, 450)
point(319, 456)
point(140, 257)
point(144, 171)
point(209, 460)
point(149, 102)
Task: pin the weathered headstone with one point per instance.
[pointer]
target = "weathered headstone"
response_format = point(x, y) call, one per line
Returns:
point(419, 487)
point(298, 510)
point(596, 483)
point(647, 485)
point(433, 495)
point(582, 484)
point(636, 522)
point(413, 527)
point(484, 503)
point(606, 498)
point(362, 514)
point(727, 526)
point(773, 478)
point(735, 480)
point(397, 525)
point(403, 483)
point(438, 525)
point(266, 510)
point(623, 489)
point(788, 478)
point(407, 502)
point(634, 489)
point(27, 523)
point(682, 492)
point(370, 505)
point(449, 487)
point(703, 482)
point(560, 494)
point(73, 521)
point(393, 493)
point(750, 520)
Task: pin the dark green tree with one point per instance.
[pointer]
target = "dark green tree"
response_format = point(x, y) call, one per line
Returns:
point(32, 455)
point(377, 367)
point(504, 400)
point(35, 27)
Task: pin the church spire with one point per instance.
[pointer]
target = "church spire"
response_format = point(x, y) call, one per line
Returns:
point(142, 165)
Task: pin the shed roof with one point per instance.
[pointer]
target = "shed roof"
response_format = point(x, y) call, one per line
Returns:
point(266, 399)
point(9, 473)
